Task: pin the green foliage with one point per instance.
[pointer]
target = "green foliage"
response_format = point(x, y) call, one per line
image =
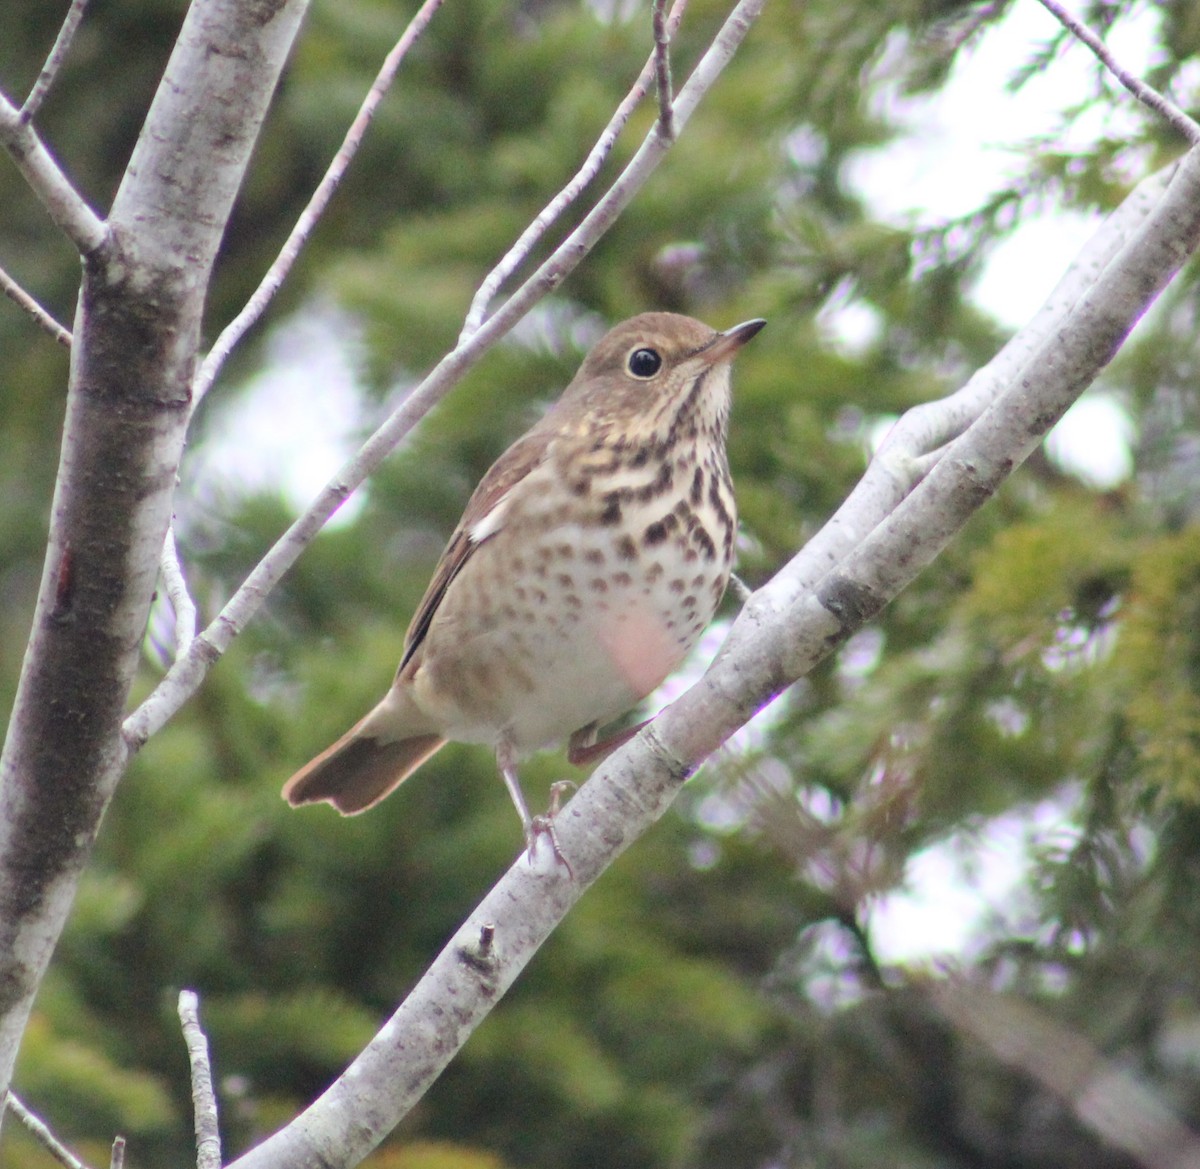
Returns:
point(1161, 640)
point(716, 999)
point(92, 1093)
point(433, 1155)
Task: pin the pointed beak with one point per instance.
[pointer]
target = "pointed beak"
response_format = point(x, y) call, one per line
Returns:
point(725, 345)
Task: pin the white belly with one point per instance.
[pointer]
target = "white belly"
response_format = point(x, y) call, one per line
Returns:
point(533, 643)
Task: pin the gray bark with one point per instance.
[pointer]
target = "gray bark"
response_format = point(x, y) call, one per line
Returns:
point(136, 333)
point(146, 269)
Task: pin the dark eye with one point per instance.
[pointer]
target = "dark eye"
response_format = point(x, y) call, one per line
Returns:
point(645, 363)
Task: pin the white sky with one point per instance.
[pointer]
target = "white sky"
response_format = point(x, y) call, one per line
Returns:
point(299, 416)
point(965, 140)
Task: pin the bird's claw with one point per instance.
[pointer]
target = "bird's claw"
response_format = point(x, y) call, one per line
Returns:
point(543, 825)
point(556, 791)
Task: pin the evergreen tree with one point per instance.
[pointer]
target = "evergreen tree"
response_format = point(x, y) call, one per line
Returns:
point(717, 998)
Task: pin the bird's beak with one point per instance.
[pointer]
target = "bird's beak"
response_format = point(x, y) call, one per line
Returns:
point(724, 345)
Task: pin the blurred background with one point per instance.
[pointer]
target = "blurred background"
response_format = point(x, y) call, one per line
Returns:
point(979, 819)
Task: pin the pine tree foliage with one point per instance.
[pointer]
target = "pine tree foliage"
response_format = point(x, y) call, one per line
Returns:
point(719, 998)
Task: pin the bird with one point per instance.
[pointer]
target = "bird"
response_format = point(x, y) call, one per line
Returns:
point(587, 564)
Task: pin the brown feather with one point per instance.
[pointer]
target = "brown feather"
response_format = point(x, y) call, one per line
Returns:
point(583, 752)
point(359, 770)
point(519, 460)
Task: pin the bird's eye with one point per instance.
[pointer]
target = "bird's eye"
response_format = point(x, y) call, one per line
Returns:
point(645, 363)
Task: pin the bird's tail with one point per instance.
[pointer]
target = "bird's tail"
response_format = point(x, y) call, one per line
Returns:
point(368, 762)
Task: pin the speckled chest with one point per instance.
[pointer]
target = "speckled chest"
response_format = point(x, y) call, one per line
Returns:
point(602, 577)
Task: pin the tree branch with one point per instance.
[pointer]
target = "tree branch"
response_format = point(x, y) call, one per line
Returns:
point(185, 675)
point(1109, 1100)
point(69, 212)
point(40, 1131)
point(518, 253)
point(1146, 94)
point(137, 329)
point(662, 68)
point(58, 54)
point(204, 1099)
point(310, 217)
point(818, 600)
point(41, 317)
point(903, 458)
point(177, 592)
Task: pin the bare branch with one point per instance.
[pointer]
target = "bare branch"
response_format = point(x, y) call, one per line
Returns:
point(769, 646)
point(58, 54)
point(662, 68)
point(68, 211)
point(519, 252)
point(41, 317)
point(902, 460)
point(1112, 1101)
point(310, 217)
point(822, 597)
point(741, 590)
point(204, 1100)
point(771, 643)
point(177, 592)
point(40, 1131)
point(185, 675)
point(139, 323)
point(1146, 94)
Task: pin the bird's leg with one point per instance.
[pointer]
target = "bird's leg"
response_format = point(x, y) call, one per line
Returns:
point(583, 750)
point(506, 761)
point(534, 826)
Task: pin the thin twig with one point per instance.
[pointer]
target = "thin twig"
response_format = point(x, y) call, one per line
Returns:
point(1146, 94)
point(118, 1154)
point(40, 1131)
point(43, 319)
point(204, 1100)
point(277, 273)
point(960, 32)
point(187, 673)
point(177, 591)
point(529, 238)
point(45, 177)
point(740, 589)
point(58, 54)
point(662, 68)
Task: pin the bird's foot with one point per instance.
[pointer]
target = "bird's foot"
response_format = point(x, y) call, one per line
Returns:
point(543, 826)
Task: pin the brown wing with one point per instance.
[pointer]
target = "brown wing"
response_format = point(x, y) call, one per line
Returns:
point(505, 473)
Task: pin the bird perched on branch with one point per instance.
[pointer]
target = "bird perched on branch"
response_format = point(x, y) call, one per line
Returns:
point(587, 564)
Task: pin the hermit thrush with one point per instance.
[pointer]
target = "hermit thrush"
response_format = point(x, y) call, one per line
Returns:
point(588, 562)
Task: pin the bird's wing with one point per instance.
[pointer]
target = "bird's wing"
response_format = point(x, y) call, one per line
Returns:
point(483, 518)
